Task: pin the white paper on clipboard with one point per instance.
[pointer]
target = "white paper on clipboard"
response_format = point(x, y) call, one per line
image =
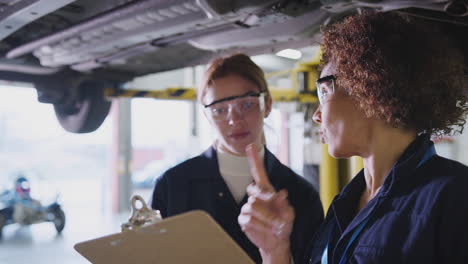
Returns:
point(193, 237)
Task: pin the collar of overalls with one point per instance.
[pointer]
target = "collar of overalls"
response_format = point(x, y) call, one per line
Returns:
point(401, 174)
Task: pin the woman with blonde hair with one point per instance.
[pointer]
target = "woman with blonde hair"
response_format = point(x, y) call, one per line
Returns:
point(235, 99)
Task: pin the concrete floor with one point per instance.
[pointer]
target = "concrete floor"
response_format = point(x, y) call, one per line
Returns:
point(40, 244)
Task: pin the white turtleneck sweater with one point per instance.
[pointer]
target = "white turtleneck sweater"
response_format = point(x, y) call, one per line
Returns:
point(235, 171)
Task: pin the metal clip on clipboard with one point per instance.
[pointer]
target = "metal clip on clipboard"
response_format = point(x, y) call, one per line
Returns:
point(141, 216)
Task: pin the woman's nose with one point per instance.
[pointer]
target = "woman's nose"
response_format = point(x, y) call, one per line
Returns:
point(317, 117)
point(234, 116)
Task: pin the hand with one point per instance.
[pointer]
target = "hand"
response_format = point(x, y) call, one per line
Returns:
point(267, 218)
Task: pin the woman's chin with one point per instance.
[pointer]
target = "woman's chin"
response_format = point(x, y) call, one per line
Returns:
point(239, 147)
point(339, 153)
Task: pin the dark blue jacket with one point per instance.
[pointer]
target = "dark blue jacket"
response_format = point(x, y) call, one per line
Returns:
point(418, 216)
point(197, 184)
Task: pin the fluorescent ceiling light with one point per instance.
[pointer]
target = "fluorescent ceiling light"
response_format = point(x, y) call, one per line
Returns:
point(290, 54)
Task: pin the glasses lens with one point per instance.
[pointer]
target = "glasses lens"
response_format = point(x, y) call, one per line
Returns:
point(240, 106)
point(325, 88)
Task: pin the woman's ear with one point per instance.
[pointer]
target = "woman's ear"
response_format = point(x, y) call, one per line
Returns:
point(268, 104)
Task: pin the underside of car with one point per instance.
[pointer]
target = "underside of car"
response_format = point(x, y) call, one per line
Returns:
point(72, 49)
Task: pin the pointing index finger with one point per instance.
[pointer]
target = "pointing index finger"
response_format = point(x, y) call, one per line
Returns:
point(258, 169)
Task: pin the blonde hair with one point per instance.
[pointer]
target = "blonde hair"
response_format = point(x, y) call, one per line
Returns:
point(238, 64)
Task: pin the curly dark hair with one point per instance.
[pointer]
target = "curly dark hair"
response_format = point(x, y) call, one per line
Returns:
point(399, 69)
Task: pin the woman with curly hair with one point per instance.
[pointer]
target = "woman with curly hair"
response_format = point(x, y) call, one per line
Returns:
point(388, 83)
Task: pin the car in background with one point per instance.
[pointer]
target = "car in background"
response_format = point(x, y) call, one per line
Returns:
point(70, 50)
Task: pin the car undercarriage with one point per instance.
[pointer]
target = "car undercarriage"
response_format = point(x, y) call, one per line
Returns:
point(72, 49)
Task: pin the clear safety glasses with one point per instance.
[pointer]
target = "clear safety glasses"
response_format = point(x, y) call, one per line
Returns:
point(325, 87)
point(245, 104)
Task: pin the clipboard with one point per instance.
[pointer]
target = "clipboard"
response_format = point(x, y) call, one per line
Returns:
point(193, 237)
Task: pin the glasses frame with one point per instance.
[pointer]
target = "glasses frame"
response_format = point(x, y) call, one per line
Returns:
point(248, 94)
point(331, 78)
point(260, 95)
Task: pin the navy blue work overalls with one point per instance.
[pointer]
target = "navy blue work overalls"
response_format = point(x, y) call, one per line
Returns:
point(418, 216)
point(197, 184)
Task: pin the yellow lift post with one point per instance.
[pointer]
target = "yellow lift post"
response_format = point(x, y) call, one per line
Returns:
point(329, 183)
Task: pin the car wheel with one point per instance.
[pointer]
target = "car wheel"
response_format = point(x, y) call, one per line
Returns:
point(89, 110)
point(59, 220)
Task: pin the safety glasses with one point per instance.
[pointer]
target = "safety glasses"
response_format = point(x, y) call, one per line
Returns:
point(242, 105)
point(325, 87)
